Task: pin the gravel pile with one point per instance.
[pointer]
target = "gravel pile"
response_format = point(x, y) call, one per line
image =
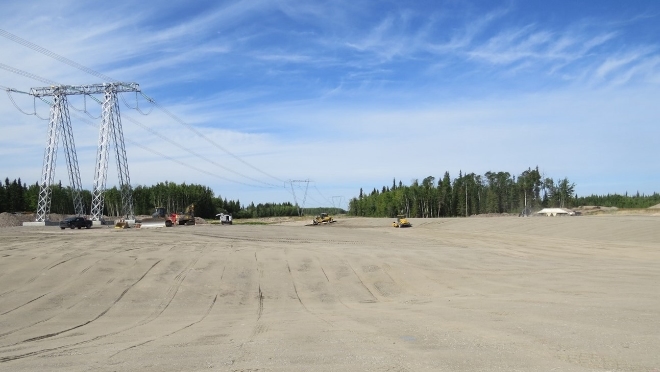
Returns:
point(14, 219)
point(200, 221)
point(17, 219)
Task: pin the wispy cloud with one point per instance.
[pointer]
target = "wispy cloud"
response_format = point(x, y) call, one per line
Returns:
point(471, 87)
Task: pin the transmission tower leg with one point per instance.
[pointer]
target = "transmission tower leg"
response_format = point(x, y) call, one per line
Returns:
point(70, 153)
point(48, 169)
point(101, 170)
point(305, 197)
point(122, 164)
point(295, 200)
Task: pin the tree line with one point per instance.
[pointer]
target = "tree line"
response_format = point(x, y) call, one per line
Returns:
point(18, 197)
point(621, 201)
point(470, 194)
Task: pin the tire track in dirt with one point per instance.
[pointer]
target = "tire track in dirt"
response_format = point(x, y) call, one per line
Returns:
point(170, 294)
point(260, 309)
point(98, 316)
point(295, 289)
point(375, 299)
point(67, 260)
point(55, 315)
point(259, 327)
point(281, 240)
point(208, 311)
point(51, 266)
point(42, 351)
point(188, 267)
point(29, 302)
point(333, 288)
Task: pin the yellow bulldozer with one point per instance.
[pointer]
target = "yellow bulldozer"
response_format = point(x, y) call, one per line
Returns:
point(322, 218)
point(401, 221)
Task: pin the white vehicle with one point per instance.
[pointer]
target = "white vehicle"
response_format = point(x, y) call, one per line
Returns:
point(225, 219)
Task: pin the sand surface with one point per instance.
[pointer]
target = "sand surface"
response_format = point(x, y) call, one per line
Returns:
point(475, 294)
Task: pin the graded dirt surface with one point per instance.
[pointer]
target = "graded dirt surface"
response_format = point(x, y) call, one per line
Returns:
point(471, 294)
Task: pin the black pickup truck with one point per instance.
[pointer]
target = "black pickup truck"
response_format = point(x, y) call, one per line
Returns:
point(73, 222)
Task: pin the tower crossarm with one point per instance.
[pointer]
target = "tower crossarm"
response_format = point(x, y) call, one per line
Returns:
point(84, 89)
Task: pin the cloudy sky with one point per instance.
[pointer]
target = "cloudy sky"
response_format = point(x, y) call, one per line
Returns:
point(345, 94)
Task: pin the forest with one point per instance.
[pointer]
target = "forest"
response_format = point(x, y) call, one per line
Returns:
point(472, 194)
point(468, 194)
point(17, 197)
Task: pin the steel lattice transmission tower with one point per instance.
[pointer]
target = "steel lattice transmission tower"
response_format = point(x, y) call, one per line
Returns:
point(295, 200)
point(59, 124)
point(110, 131)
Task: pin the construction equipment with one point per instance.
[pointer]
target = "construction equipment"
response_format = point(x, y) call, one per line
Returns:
point(160, 218)
point(121, 224)
point(323, 218)
point(401, 221)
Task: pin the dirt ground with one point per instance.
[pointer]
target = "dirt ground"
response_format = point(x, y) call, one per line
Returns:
point(470, 294)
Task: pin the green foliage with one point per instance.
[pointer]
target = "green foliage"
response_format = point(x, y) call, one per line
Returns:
point(174, 197)
point(494, 192)
point(620, 201)
point(468, 194)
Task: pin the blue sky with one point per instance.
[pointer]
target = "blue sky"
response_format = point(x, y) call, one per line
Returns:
point(349, 94)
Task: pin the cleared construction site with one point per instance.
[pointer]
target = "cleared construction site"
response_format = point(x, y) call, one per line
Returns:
point(486, 294)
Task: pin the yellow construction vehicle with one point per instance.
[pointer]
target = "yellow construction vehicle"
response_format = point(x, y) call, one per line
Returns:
point(121, 224)
point(401, 221)
point(323, 218)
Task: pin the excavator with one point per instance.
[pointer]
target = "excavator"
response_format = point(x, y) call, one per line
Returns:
point(160, 218)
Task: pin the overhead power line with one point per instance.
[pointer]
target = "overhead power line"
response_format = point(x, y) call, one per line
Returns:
point(90, 71)
point(206, 138)
point(89, 123)
point(54, 55)
point(186, 150)
point(167, 157)
point(11, 98)
point(27, 74)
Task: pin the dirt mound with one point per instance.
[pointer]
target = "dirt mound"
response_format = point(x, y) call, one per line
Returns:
point(200, 221)
point(15, 219)
point(657, 206)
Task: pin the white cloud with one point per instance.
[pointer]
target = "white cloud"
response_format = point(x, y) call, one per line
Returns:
point(450, 90)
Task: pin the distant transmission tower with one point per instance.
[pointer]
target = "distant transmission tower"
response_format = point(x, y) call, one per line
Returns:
point(111, 130)
point(339, 204)
point(300, 208)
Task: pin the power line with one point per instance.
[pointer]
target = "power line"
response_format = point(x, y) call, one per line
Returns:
point(166, 111)
point(27, 74)
point(34, 102)
point(150, 130)
point(90, 71)
point(319, 191)
point(53, 55)
point(53, 83)
point(86, 121)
